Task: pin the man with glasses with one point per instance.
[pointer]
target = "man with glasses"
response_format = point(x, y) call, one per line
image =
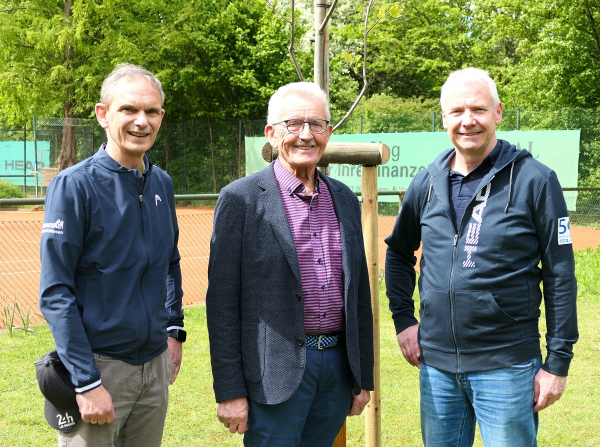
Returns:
point(288, 303)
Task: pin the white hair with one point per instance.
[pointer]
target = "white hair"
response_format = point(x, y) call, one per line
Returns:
point(466, 75)
point(300, 89)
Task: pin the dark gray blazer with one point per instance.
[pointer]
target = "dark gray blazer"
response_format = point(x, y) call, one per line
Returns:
point(254, 300)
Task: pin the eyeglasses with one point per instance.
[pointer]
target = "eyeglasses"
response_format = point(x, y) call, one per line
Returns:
point(297, 126)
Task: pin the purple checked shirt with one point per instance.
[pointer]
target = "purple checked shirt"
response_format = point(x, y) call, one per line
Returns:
point(316, 233)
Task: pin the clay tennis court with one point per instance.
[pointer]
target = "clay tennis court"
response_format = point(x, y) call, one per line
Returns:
point(20, 264)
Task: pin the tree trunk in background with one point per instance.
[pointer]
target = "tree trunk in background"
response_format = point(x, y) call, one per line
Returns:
point(68, 149)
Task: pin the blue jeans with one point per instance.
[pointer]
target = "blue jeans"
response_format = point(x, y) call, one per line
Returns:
point(314, 414)
point(501, 401)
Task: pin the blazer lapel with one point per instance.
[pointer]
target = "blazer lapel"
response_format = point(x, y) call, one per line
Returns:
point(273, 203)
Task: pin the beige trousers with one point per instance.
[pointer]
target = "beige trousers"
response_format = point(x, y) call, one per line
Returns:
point(140, 395)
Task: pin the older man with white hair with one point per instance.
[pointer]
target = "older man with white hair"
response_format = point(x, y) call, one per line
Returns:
point(493, 224)
point(288, 302)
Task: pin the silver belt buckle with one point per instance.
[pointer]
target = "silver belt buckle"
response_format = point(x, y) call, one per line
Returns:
point(319, 343)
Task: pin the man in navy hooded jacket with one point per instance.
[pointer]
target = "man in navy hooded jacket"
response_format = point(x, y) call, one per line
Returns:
point(110, 284)
point(493, 224)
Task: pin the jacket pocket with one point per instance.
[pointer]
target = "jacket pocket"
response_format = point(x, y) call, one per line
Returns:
point(435, 329)
point(481, 322)
point(253, 350)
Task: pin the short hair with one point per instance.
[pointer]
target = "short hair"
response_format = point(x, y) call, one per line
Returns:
point(469, 74)
point(301, 89)
point(127, 72)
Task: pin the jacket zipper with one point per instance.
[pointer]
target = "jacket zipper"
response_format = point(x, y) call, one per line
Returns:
point(147, 251)
point(451, 293)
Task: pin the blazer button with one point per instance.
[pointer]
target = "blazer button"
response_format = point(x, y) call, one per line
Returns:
point(300, 342)
point(299, 297)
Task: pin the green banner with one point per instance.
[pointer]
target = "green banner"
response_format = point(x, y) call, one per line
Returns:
point(411, 152)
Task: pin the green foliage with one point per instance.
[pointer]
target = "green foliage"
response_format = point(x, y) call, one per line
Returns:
point(10, 191)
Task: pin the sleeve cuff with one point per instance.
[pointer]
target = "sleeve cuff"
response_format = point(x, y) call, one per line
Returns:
point(89, 387)
point(556, 365)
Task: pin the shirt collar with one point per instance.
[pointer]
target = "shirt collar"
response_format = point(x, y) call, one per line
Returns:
point(291, 184)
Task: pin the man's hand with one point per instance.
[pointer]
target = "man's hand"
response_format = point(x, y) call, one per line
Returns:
point(96, 406)
point(359, 402)
point(176, 351)
point(408, 341)
point(234, 414)
point(548, 388)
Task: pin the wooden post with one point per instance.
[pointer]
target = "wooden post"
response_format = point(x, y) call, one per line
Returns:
point(369, 222)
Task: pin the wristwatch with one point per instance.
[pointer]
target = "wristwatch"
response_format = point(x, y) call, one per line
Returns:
point(178, 334)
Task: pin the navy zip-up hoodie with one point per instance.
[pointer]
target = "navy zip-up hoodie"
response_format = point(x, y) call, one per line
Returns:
point(480, 284)
point(110, 281)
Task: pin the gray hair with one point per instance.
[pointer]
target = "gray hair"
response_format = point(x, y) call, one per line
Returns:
point(469, 74)
point(127, 72)
point(301, 89)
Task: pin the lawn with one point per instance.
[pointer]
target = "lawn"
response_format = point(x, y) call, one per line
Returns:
point(573, 421)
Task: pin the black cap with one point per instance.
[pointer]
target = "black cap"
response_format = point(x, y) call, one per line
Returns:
point(61, 409)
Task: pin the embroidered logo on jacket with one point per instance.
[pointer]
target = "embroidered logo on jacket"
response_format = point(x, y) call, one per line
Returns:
point(157, 199)
point(564, 231)
point(475, 227)
point(53, 227)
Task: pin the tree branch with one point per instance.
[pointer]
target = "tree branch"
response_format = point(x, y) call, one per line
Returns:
point(386, 13)
point(594, 32)
point(328, 16)
point(291, 45)
point(278, 13)
point(365, 82)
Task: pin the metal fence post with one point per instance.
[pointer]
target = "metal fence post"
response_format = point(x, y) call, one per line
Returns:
point(433, 123)
point(25, 157)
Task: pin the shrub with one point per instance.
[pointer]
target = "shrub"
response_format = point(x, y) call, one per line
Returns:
point(10, 191)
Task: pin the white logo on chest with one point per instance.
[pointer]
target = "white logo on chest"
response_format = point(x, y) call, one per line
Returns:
point(475, 227)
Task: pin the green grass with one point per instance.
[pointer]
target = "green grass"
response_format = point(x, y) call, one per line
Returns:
point(192, 422)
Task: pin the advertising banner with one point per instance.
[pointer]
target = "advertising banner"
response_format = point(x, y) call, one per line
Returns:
point(13, 160)
point(411, 152)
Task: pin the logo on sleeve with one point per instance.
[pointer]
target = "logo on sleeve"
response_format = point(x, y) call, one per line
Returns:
point(564, 231)
point(53, 227)
point(157, 199)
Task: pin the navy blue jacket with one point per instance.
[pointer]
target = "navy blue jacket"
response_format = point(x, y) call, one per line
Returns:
point(480, 284)
point(109, 254)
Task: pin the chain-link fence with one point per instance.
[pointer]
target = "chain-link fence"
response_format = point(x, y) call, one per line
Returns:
point(204, 157)
point(20, 263)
